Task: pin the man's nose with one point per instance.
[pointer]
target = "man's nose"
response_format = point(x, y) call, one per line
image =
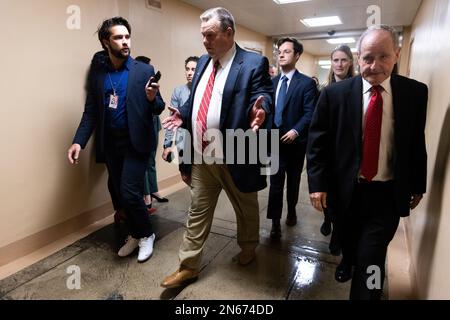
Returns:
point(374, 64)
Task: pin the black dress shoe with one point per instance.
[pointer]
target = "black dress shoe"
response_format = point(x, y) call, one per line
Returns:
point(159, 199)
point(325, 229)
point(291, 220)
point(275, 233)
point(343, 272)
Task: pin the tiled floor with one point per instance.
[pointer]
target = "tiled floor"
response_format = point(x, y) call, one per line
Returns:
point(297, 267)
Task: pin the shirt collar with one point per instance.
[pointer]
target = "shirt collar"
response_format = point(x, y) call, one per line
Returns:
point(288, 75)
point(126, 65)
point(386, 85)
point(228, 57)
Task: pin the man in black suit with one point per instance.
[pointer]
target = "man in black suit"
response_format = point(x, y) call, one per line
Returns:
point(231, 90)
point(295, 99)
point(367, 157)
point(120, 104)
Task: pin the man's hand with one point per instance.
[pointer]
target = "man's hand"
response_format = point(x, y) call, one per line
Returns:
point(74, 153)
point(166, 153)
point(187, 178)
point(257, 114)
point(289, 137)
point(318, 200)
point(151, 89)
point(174, 121)
point(415, 199)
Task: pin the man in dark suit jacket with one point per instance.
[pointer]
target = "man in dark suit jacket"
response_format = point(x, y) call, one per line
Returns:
point(295, 98)
point(366, 156)
point(120, 105)
point(231, 89)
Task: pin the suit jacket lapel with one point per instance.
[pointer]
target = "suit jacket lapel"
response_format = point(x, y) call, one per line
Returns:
point(355, 102)
point(275, 84)
point(396, 105)
point(131, 79)
point(201, 67)
point(294, 82)
point(230, 83)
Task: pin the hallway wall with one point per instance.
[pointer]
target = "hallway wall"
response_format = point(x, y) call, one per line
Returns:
point(44, 65)
point(427, 227)
point(307, 64)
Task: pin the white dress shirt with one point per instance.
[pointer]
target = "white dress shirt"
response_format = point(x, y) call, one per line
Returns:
point(386, 153)
point(215, 105)
point(288, 75)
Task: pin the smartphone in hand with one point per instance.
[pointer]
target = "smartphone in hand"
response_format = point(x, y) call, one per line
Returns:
point(155, 78)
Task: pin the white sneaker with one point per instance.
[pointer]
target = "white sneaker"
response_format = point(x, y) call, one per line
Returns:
point(146, 248)
point(130, 245)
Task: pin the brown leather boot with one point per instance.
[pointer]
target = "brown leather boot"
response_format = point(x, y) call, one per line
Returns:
point(245, 257)
point(181, 277)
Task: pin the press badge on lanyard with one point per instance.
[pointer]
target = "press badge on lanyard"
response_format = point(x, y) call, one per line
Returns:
point(113, 101)
point(114, 98)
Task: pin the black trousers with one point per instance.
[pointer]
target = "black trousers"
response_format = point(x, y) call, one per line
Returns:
point(126, 169)
point(291, 164)
point(330, 216)
point(367, 229)
point(114, 195)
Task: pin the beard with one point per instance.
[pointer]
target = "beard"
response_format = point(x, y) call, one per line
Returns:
point(119, 54)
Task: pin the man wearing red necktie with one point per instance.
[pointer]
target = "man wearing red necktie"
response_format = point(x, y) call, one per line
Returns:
point(231, 89)
point(366, 155)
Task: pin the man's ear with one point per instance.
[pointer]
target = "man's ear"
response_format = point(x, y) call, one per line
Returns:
point(230, 31)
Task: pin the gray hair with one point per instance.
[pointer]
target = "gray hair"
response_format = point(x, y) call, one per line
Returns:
point(378, 27)
point(222, 15)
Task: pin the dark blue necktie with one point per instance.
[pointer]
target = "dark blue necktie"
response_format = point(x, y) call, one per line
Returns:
point(280, 102)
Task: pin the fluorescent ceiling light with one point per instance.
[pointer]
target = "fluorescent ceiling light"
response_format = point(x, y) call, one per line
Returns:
point(326, 67)
point(341, 40)
point(354, 50)
point(288, 1)
point(322, 21)
point(324, 62)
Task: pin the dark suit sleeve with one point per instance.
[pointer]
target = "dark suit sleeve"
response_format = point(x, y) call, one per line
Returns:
point(420, 152)
point(89, 118)
point(261, 85)
point(309, 102)
point(184, 111)
point(318, 148)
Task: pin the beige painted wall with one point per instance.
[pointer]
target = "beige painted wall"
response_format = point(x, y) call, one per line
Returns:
point(42, 100)
point(428, 226)
point(307, 64)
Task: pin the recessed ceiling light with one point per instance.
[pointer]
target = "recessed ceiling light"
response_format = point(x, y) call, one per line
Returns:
point(322, 21)
point(341, 40)
point(288, 1)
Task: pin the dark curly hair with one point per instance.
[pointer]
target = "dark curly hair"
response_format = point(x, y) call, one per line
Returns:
point(104, 30)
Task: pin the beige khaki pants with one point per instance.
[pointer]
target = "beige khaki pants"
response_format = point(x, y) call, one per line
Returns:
point(207, 183)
